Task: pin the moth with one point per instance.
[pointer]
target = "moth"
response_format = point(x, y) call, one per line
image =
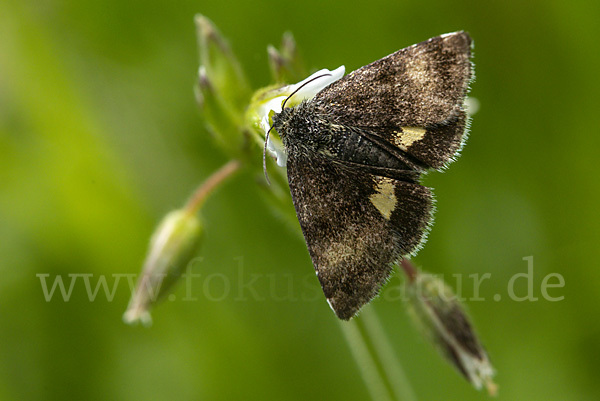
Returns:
point(355, 155)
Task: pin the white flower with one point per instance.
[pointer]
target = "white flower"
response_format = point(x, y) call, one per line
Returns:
point(274, 102)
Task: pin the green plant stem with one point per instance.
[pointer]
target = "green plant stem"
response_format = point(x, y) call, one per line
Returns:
point(392, 367)
point(210, 184)
point(381, 371)
point(365, 361)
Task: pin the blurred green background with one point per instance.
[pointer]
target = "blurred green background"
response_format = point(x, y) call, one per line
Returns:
point(100, 136)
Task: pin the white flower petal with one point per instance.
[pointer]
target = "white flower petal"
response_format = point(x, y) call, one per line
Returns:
point(316, 86)
point(265, 110)
point(276, 148)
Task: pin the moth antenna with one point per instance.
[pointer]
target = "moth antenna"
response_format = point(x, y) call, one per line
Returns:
point(265, 156)
point(271, 127)
point(302, 86)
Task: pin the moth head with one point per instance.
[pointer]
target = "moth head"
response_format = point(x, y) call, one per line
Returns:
point(282, 120)
point(279, 118)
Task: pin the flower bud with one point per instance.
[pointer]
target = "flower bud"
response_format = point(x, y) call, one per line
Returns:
point(222, 67)
point(286, 65)
point(444, 321)
point(277, 64)
point(172, 247)
point(221, 120)
point(289, 48)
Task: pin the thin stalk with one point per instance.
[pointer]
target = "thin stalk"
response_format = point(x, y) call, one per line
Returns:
point(408, 269)
point(391, 366)
point(210, 184)
point(365, 361)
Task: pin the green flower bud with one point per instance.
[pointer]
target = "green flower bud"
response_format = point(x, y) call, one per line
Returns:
point(290, 50)
point(222, 121)
point(277, 64)
point(444, 322)
point(286, 65)
point(221, 66)
point(172, 247)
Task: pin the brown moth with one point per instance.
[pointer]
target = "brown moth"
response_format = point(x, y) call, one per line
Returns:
point(355, 154)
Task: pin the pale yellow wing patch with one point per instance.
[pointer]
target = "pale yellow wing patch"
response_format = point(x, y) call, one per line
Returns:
point(409, 135)
point(384, 198)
